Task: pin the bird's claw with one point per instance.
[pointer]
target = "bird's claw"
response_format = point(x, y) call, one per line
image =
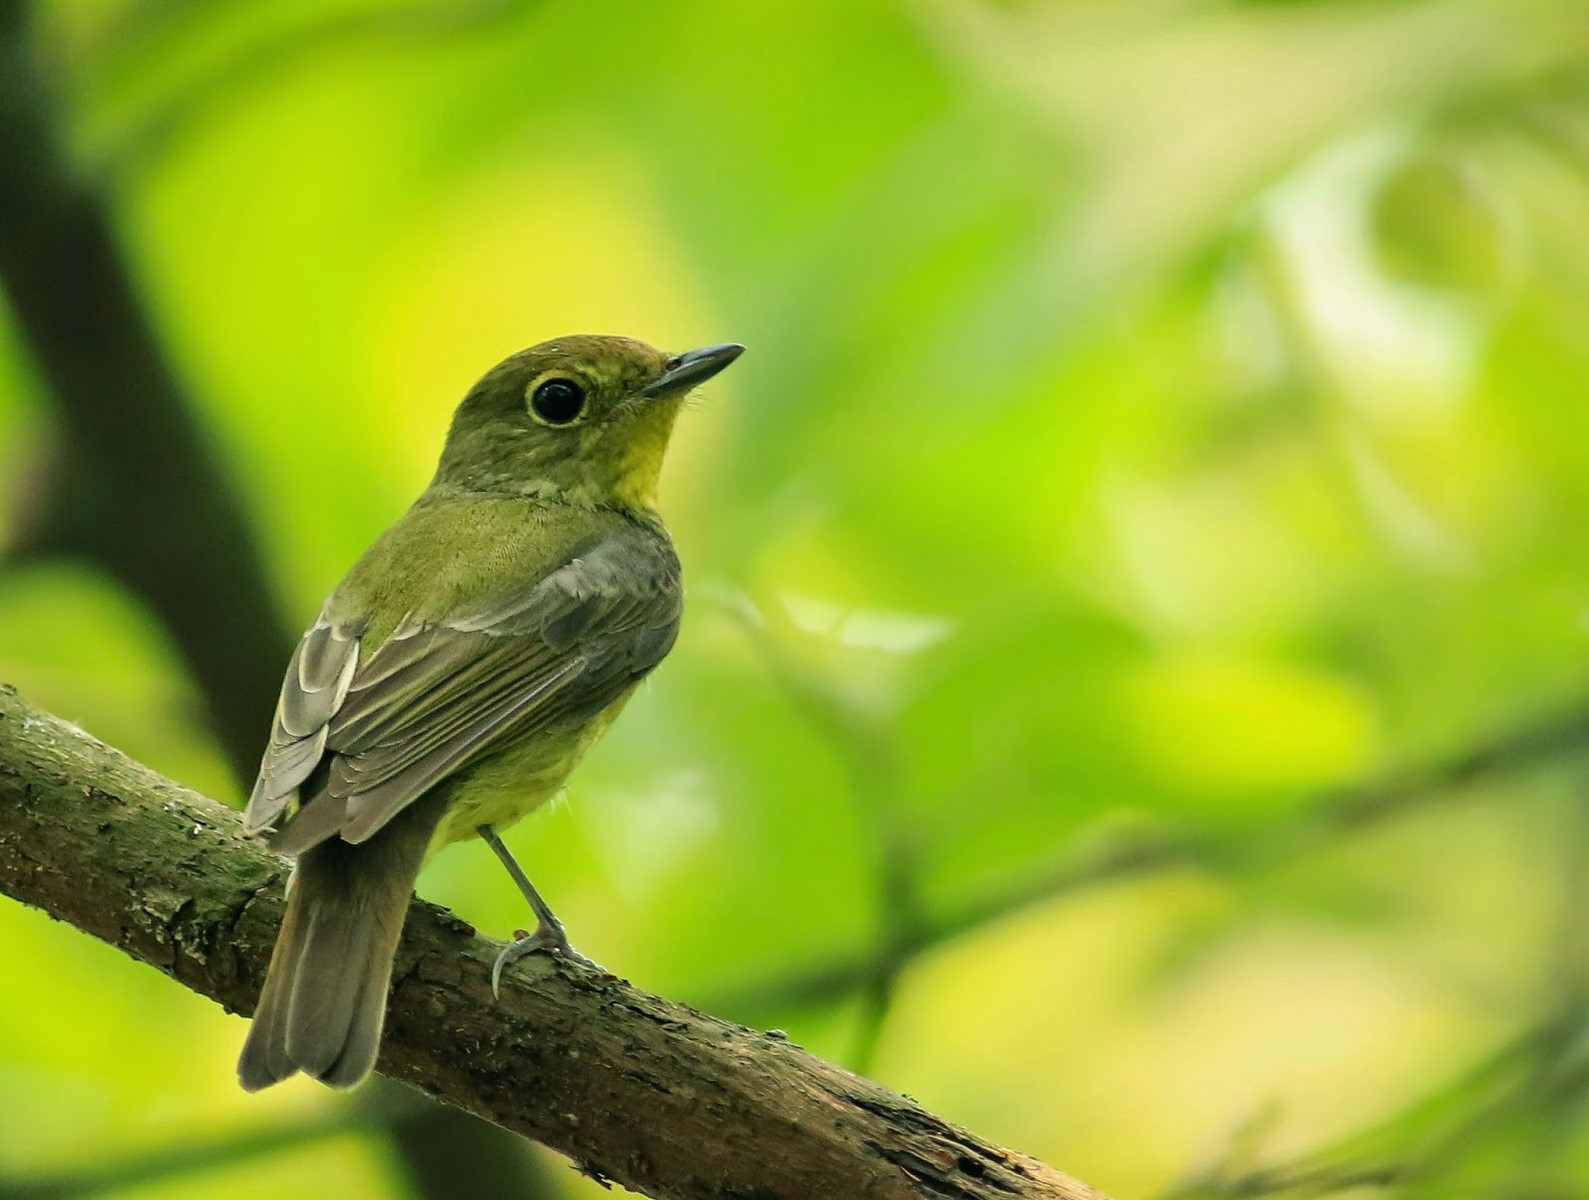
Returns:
point(551, 939)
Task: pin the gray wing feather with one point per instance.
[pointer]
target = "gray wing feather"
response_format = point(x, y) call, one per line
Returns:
point(433, 698)
point(318, 677)
point(373, 803)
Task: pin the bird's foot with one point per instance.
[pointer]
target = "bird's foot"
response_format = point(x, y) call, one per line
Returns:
point(549, 937)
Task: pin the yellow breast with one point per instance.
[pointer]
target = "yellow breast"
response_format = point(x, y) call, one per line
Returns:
point(512, 783)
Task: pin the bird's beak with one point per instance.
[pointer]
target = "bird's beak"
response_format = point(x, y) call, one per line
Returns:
point(684, 371)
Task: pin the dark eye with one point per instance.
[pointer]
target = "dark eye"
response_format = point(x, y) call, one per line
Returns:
point(558, 401)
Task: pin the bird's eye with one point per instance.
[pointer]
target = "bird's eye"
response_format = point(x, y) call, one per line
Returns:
point(558, 402)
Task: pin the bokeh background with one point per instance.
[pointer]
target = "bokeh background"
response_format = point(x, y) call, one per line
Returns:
point(1133, 697)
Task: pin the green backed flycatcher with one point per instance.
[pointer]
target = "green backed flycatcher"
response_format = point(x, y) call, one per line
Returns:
point(460, 671)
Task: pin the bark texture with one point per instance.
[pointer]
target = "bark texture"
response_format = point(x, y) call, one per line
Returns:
point(650, 1094)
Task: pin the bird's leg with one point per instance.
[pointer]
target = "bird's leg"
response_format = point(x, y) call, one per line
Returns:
point(549, 933)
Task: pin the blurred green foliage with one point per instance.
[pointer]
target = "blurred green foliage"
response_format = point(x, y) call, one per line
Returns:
point(1159, 415)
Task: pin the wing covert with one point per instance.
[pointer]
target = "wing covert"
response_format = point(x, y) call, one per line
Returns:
point(318, 677)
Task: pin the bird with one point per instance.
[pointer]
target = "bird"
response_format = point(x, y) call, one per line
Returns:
point(458, 674)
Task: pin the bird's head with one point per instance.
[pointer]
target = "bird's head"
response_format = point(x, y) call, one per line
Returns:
point(585, 419)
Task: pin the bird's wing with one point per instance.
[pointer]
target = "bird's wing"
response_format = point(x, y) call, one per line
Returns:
point(435, 696)
point(319, 675)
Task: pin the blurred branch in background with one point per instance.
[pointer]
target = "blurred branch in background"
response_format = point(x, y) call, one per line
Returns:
point(197, 1155)
point(1140, 853)
point(133, 485)
point(1512, 1115)
point(651, 1094)
point(435, 1144)
point(864, 743)
point(384, 1109)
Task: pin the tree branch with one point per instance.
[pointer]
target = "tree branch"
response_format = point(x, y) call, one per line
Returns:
point(651, 1094)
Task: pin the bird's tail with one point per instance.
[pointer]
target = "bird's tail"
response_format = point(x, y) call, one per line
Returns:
point(324, 999)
